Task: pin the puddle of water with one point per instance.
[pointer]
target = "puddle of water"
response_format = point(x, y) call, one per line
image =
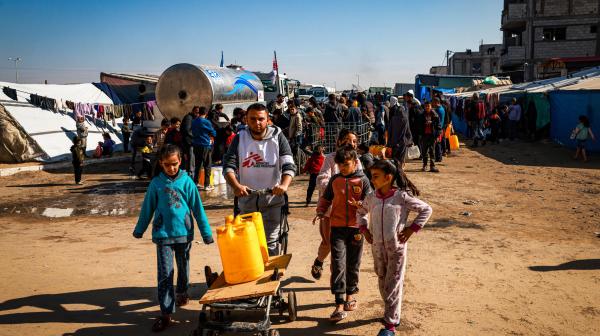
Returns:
point(57, 212)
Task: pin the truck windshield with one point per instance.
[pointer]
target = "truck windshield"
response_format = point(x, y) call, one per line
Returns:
point(318, 93)
point(268, 85)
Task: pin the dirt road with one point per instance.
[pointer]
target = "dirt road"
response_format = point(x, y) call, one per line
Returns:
point(525, 261)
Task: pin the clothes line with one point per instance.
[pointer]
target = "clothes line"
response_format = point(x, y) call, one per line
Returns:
point(105, 111)
point(30, 93)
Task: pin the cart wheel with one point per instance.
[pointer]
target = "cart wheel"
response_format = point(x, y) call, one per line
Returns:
point(292, 306)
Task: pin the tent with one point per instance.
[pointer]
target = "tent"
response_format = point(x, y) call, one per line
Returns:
point(46, 134)
point(568, 103)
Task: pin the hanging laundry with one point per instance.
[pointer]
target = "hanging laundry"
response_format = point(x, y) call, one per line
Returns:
point(43, 102)
point(100, 113)
point(118, 111)
point(150, 106)
point(11, 93)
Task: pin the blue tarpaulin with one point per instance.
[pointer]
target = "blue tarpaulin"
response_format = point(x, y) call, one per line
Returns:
point(459, 125)
point(565, 108)
point(109, 92)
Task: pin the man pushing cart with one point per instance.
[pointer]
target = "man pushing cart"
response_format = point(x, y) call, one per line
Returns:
point(259, 166)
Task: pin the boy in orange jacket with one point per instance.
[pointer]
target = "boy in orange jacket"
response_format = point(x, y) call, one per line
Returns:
point(350, 185)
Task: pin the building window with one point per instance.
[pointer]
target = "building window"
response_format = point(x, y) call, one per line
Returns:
point(555, 34)
point(594, 29)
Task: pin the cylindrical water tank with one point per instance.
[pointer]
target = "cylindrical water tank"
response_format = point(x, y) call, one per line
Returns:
point(183, 86)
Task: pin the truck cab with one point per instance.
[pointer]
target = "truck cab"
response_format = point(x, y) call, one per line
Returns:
point(319, 92)
point(282, 85)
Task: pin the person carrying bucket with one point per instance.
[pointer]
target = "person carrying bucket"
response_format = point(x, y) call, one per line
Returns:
point(260, 158)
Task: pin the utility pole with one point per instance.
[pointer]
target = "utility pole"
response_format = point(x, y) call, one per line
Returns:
point(358, 80)
point(448, 67)
point(16, 60)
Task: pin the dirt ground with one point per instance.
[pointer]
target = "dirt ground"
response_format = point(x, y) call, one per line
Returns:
point(525, 261)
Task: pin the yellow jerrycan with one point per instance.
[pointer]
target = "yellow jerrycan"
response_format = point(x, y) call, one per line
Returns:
point(240, 252)
point(454, 144)
point(256, 219)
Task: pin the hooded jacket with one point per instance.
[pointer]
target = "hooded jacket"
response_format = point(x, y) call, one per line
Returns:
point(202, 130)
point(259, 164)
point(386, 215)
point(172, 201)
point(340, 190)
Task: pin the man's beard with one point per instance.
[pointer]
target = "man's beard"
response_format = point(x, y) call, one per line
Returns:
point(258, 134)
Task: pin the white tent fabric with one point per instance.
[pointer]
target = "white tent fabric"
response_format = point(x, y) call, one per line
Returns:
point(558, 82)
point(542, 85)
point(80, 93)
point(53, 131)
point(585, 84)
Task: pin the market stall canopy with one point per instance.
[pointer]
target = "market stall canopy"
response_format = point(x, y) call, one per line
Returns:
point(585, 84)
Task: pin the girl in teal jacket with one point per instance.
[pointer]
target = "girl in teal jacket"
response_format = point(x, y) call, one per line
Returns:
point(171, 199)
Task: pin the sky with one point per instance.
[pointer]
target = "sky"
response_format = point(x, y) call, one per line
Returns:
point(336, 43)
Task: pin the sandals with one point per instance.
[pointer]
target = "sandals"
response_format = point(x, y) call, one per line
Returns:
point(350, 305)
point(181, 299)
point(386, 332)
point(337, 316)
point(161, 323)
point(316, 271)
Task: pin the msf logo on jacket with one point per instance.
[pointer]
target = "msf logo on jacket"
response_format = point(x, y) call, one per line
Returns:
point(252, 160)
point(256, 161)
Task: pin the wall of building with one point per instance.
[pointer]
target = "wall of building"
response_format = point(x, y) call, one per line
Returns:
point(576, 16)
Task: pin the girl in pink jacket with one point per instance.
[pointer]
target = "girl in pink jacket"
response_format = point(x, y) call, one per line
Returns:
point(388, 232)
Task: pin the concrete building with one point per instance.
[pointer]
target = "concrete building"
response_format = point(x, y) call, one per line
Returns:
point(484, 62)
point(549, 38)
point(438, 70)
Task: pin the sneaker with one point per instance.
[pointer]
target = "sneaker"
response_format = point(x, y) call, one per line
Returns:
point(424, 168)
point(79, 183)
point(434, 170)
point(209, 188)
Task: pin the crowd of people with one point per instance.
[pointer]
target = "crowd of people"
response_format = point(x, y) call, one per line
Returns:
point(363, 195)
point(259, 156)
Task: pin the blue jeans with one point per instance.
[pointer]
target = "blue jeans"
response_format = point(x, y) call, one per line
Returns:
point(166, 291)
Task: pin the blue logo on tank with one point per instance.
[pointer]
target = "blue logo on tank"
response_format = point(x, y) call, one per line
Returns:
point(242, 81)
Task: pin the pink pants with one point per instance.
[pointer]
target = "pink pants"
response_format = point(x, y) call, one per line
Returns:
point(390, 264)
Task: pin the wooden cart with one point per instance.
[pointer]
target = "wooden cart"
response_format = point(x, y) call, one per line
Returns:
point(260, 295)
